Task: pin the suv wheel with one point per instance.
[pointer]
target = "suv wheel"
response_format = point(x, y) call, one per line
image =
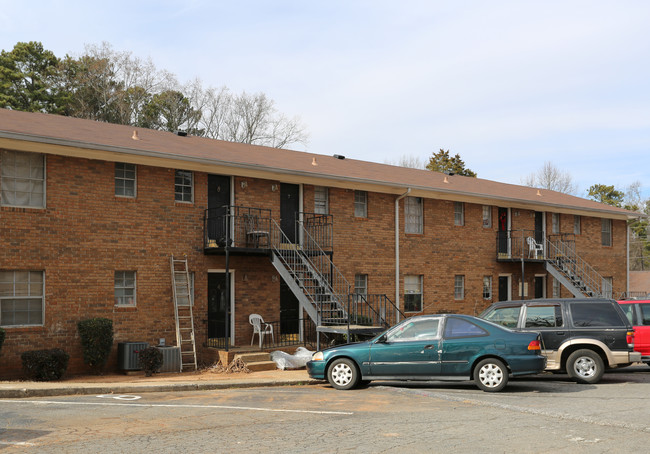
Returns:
point(585, 366)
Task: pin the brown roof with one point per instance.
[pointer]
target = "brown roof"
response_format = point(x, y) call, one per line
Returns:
point(93, 135)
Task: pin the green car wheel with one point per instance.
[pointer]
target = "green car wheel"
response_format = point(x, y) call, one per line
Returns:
point(491, 375)
point(343, 374)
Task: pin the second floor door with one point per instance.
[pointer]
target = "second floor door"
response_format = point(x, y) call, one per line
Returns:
point(218, 203)
point(289, 208)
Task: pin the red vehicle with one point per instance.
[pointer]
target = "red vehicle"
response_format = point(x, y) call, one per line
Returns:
point(638, 312)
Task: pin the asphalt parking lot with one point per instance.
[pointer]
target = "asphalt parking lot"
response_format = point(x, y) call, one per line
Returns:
point(545, 413)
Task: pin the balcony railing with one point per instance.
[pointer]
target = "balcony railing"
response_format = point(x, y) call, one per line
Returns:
point(289, 333)
point(249, 227)
point(520, 244)
point(245, 227)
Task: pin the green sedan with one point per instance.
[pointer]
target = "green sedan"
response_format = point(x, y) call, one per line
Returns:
point(433, 347)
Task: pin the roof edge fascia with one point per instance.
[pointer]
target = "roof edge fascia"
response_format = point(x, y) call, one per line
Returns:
point(396, 187)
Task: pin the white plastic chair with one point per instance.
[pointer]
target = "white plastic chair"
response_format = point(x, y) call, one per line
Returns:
point(260, 328)
point(534, 247)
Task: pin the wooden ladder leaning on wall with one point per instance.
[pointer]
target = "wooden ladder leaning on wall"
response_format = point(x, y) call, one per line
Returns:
point(181, 285)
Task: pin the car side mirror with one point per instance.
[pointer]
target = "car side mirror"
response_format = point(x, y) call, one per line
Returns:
point(382, 339)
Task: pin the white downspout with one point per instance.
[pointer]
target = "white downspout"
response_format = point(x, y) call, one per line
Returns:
point(627, 269)
point(397, 248)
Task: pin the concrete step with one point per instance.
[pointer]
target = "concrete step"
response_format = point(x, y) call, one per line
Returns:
point(253, 357)
point(261, 365)
point(257, 361)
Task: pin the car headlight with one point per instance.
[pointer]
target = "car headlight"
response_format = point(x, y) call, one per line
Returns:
point(318, 356)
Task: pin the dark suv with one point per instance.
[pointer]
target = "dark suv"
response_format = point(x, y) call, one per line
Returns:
point(581, 336)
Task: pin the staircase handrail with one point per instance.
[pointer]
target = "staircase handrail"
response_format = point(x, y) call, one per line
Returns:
point(338, 283)
point(342, 285)
point(557, 250)
point(387, 319)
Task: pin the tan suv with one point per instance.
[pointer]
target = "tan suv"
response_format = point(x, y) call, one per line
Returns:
point(581, 336)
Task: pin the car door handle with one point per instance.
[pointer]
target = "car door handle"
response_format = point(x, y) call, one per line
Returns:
point(429, 347)
point(560, 333)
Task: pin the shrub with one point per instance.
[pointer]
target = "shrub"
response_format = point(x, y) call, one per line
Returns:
point(45, 365)
point(96, 341)
point(2, 337)
point(151, 359)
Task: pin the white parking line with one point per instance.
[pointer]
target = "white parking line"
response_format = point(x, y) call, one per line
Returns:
point(119, 396)
point(223, 407)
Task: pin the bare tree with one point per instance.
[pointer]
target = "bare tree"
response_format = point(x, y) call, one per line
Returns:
point(550, 177)
point(410, 161)
point(116, 87)
point(113, 86)
point(639, 228)
point(244, 118)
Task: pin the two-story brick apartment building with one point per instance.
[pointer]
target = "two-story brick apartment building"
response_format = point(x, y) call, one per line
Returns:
point(90, 214)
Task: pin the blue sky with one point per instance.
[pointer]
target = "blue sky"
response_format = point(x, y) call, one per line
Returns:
point(506, 84)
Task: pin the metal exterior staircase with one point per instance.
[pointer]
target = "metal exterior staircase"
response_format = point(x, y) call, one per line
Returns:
point(322, 289)
point(565, 265)
point(183, 312)
point(311, 276)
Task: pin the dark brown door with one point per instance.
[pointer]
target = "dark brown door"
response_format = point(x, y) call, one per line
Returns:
point(503, 231)
point(218, 310)
point(503, 288)
point(539, 286)
point(289, 311)
point(218, 203)
point(539, 227)
point(289, 206)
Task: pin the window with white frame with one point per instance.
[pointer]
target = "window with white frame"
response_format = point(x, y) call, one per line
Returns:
point(361, 284)
point(459, 287)
point(487, 287)
point(125, 179)
point(412, 293)
point(487, 217)
point(413, 215)
point(22, 179)
point(360, 204)
point(555, 223)
point(321, 200)
point(576, 224)
point(459, 213)
point(22, 298)
point(125, 288)
point(608, 287)
point(184, 186)
point(606, 232)
point(556, 288)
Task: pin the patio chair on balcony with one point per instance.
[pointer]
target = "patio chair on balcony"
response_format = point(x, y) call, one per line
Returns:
point(255, 232)
point(260, 328)
point(534, 248)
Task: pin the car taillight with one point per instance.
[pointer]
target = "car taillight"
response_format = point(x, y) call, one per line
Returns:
point(534, 345)
point(630, 339)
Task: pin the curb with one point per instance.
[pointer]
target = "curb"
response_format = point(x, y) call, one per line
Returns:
point(133, 388)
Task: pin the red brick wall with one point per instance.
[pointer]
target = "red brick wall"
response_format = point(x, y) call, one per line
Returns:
point(86, 233)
